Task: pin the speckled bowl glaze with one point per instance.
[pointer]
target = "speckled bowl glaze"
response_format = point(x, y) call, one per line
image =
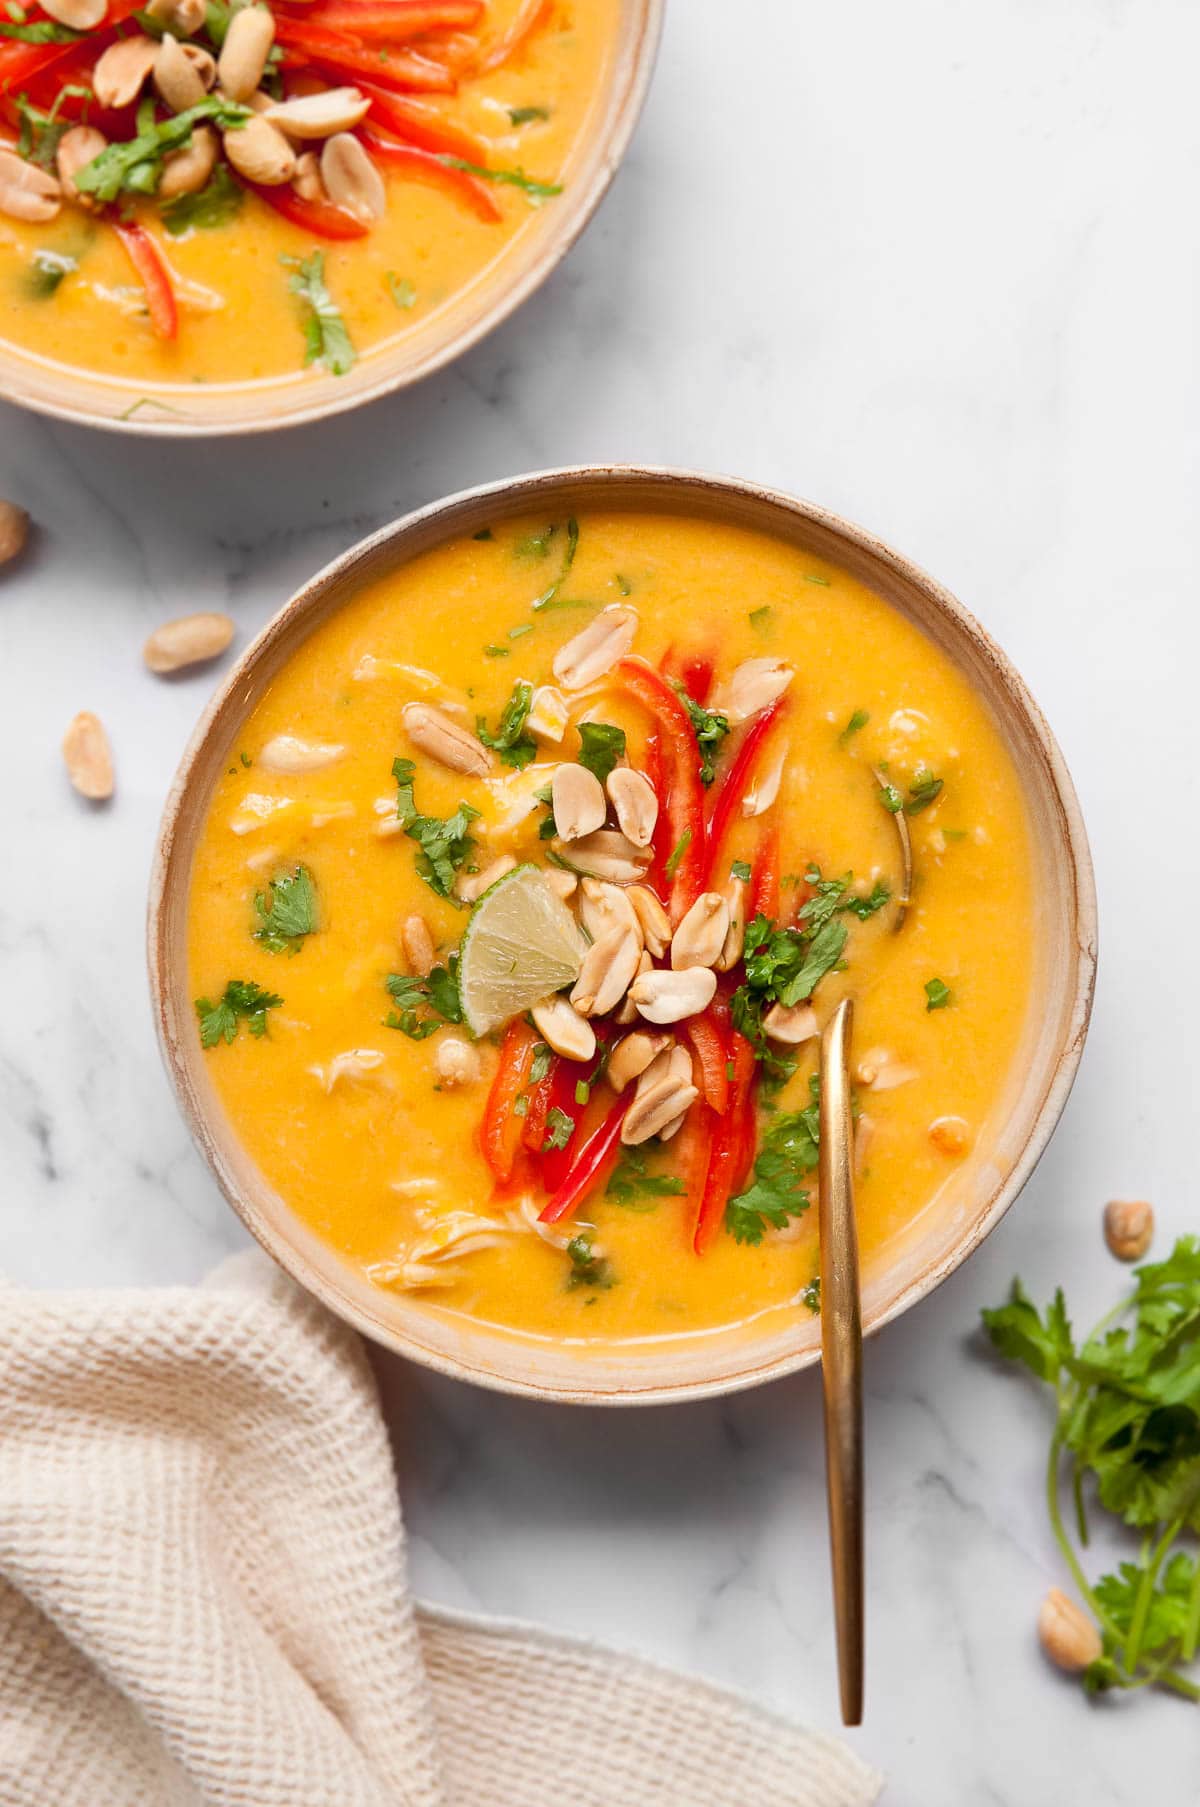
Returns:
point(702, 1363)
point(191, 411)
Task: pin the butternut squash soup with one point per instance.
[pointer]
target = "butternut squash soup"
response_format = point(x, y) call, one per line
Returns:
point(202, 191)
point(515, 918)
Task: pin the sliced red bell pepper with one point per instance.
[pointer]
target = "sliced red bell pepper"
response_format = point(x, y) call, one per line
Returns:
point(419, 123)
point(684, 793)
point(424, 166)
point(500, 1131)
point(506, 46)
point(405, 71)
point(533, 1129)
point(556, 1162)
point(393, 21)
point(591, 1165)
point(151, 267)
point(320, 218)
point(709, 1036)
point(734, 785)
point(20, 63)
point(764, 879)
point(732, 1147)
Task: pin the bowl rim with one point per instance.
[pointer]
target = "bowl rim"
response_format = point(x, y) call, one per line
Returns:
point(646, 26)
point(527, 488)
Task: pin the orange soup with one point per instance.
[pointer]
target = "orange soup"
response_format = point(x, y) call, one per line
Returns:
point(515, 920)
point(223, 194)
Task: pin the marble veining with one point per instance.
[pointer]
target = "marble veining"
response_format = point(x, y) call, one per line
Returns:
point(938, 268)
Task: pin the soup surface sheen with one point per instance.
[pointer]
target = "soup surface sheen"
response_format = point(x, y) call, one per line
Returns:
point(69, 294)
point(372, 1157)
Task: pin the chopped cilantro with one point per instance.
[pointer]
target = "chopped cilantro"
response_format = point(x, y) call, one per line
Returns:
point(710, 728)
point(404, 294)
point(810, 577)
point(775, 1194)
point(325, 336)
point(740, 869)
point(445, 844)
point(600, 747)
point(527, 115)
point(924, 790)
point(497, 652)
point(514, 745)
point(47, 271)
point(538, 548)
point(522, 627)
point(287, 912)
point(937, 994)
point(216, 204)
point(559, 1129)
point(43, 31)
point(811, 1296)
point(890, 797)
point(241, 1001)
point(588, 1268)
point(760, 619)
point(136, 164)
point(635, 1188)
point(424, 1005)
point(857, 721)
point(543, 1055)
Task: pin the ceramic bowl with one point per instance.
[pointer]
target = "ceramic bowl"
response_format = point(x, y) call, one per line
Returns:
point(709, 1362)
point(197, 411)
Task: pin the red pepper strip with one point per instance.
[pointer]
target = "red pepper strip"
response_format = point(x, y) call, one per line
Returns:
point(734, 784)
point(320, 218)
point(709, 1036)
point(533, 1129)
point(696, 675)
point(419, 123)
point(556, 1162)
point(733, 1141)
point(394, 21)
point(151, 267)
point(684, 793)
point(424, 166)
point(403, 71)
point(316, 40)
point(500, 1133)
point(19, 63)
point(526, 21)
point(591, 1165)
point(764, 879)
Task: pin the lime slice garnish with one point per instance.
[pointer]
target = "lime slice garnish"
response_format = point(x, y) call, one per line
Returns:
point(521, 944)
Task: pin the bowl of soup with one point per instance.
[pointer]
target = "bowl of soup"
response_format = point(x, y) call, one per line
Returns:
point(506, 886)
point(232, 216)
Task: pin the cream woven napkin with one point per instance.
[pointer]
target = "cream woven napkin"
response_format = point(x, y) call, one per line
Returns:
point(204, 1603)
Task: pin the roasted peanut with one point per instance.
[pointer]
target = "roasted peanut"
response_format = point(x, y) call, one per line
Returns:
point(88, 757)
point(191, 640)
point(1128, 1227)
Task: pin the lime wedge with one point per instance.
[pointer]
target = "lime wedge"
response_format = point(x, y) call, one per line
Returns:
point(521, 943)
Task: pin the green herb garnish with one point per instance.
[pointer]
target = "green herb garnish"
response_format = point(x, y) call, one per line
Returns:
point(47, 271)
point(424, 1005)
point(710, 728)
point(559, 1129)
point(136, 165)
point(635, 1188)
point(677, 852)
point(216, 204)
point(514, 745)
point(527, 115)
point(445, 844)
point(588, 1268)
point(740, 869)
point(404, 294)
point(937, 994)
point(760, 619)
point(538, 548)
point(776, 1194)
point(857, 721)
point(326, 339)
point(287, 912)
point(1127, 1422)
point(601, 746)
point(924, 790)
point(513, 178)
point(242, 1001)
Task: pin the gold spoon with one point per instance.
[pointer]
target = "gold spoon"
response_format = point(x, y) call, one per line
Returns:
point(841, 1356)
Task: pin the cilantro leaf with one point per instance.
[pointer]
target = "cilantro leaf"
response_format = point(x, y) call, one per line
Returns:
point(136, 164)
point(514, 745)
point(527, 115)
point(445, 843)
point(514, 178)
point(710, 728)
point(740, 869)
point(856, 723)
point(327, 340)
point(424, 1004)
point(635, 1188)
point(216, 204)
point(677, 852)
point(403, 293)
point(588, 1268)
point(924, 790)
point(601, 746)
point(559, 1129)
point(241, 1001)
point(287, 912)
point(937, 994)
point(776, 1194)
point(1020, 1332)
point(538, 545)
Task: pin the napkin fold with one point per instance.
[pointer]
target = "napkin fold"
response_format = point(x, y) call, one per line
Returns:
point(204, 1599)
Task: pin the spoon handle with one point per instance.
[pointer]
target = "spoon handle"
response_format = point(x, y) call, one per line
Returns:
point(841, 1357)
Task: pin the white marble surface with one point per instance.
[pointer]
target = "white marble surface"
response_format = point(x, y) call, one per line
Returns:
point(937, 267)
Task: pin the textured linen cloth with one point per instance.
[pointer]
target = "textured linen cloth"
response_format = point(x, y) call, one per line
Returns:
point(204, 1603)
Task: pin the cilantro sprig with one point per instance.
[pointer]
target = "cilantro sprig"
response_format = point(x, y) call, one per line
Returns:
point(424, 1005)
point(445, 842)
point(287, 912)
point(135, 165)
point(326, 338)
point(601, 746)
point(776, 1192)
point(242, 1001)
point(635, 1188)
point(515, 746)
point(710, 728)
point(1127, 1432)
